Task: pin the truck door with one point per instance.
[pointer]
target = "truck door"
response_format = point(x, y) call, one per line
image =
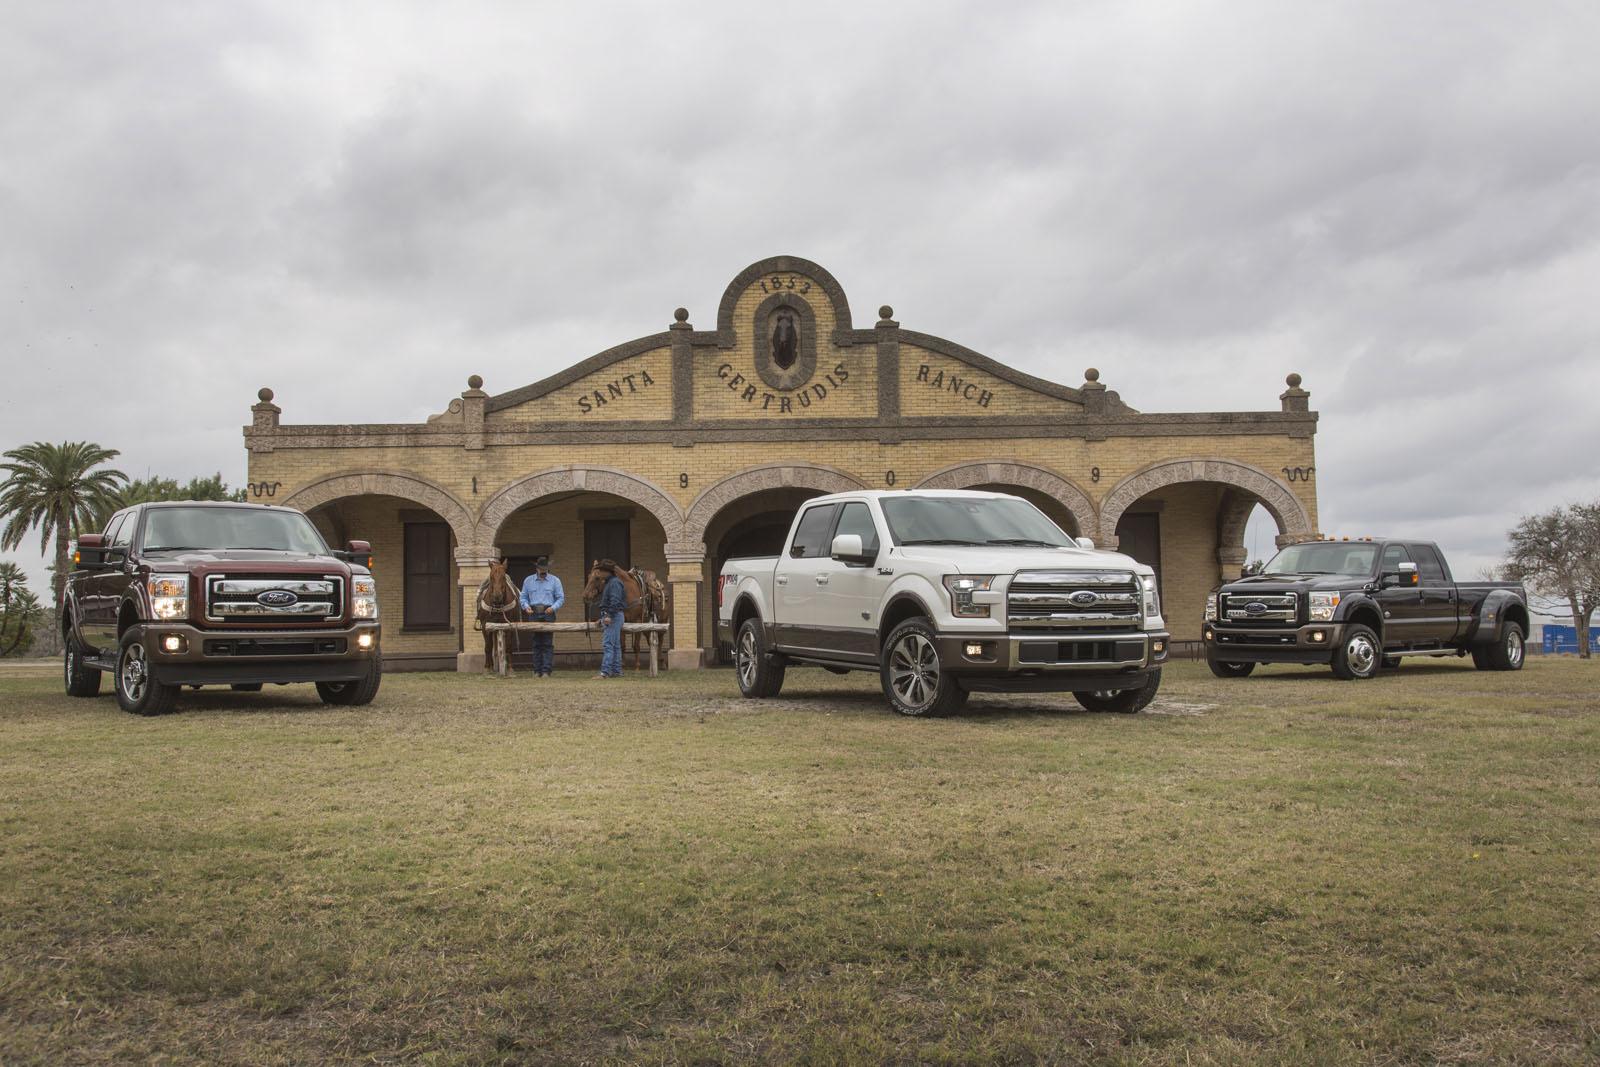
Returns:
point(848, 605)
point(1439, 614)
point(97, 617)
point(802, 574)
point(1401, 605)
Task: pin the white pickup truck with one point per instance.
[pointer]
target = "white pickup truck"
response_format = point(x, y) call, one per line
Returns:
point(942, 593)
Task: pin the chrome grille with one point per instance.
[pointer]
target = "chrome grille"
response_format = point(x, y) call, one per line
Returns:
point(1074, 600)
point(289, 598)
point(1276, 609)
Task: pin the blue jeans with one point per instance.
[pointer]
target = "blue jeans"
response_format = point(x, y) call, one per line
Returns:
point(611, 647)
point(544, 645)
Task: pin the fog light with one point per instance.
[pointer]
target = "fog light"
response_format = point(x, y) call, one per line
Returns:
point(974, 650)
point(172, 643)
point(1318, 637)
point(364, 641)
point(1210, 634)
point(1158, 647)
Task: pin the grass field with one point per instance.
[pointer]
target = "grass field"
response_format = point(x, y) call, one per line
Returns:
point(476, 870)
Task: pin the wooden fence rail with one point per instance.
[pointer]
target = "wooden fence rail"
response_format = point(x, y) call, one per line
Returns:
point(500, 629)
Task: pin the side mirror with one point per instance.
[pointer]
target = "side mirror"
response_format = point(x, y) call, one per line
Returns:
point(91, 551)
point(1408, 576)
point(847, 547)
point(358, 552)
point(1085, 543)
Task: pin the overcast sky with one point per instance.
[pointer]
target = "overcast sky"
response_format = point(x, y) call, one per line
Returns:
point(360, 205)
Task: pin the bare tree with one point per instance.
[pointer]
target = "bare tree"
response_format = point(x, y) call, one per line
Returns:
point(1557, 553)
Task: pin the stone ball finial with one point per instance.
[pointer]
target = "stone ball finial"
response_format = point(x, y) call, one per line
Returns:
point(264, 395)
point(1091, 375)
point(886, 312)
point(475, 382)
point(682, 314)
point(1293, 380)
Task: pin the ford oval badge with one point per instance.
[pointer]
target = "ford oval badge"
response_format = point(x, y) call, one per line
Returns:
point(1256, 607)
point(276, 598)
point(1084, 597)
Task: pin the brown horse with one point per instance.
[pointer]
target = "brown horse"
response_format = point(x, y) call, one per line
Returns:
point(497, 602)
point(645, 596)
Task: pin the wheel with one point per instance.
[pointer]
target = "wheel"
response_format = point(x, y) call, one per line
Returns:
point(1223, 669)
point(1480, 658)
point(758, 676)
point(1129, 701)
point(81, 680)
point(1390, 663)
point(1505, 654)
point(137, 689)
point(360, 691)
point(914, 680)
point(246, 687)
point(1358, 655)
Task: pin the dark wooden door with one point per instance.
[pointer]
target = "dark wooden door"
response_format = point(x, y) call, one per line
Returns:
point(605, 539)
point(427, 575)
point(1139, 536)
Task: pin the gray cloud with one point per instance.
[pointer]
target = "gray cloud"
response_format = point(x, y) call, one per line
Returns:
point(360, 205)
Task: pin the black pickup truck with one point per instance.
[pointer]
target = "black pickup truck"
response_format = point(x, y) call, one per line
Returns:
point(1361, 605)
point(192, 593)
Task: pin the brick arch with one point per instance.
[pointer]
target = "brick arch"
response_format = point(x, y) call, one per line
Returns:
point(755, 480)
point(498, 508)
point(410, 487)
point(1006, 472)
point(1274, 495)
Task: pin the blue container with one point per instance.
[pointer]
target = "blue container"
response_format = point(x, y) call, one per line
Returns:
point(1562, 638)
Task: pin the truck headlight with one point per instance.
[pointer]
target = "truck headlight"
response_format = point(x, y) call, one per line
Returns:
point(961, 587)
point(364, 597)
point(1322, 606)
point(1152, 599)
point(169, 596)
point(1211, 608)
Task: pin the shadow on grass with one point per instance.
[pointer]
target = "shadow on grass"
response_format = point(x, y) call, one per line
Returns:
point(982, 708)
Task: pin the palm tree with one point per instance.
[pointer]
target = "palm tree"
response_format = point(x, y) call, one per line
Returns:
point(55, 488)
point(19, 609)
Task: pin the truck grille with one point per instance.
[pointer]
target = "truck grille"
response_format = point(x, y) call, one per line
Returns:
point(1107, 601)
point(1258, 609)
point(286, 598)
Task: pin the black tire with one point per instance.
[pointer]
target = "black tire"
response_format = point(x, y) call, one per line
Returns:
point(246, 687)
point(80, 679)
point(137, 690)
point(352, 694)
point(759, 677)
point(1125, 701)
point(913, 679)
point(1480, 658)
point(1507, 653)
point(1358, 654)
point(1224, 669)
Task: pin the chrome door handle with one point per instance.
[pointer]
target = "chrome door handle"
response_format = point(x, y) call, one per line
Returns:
point(822, 579)
point(782, 579)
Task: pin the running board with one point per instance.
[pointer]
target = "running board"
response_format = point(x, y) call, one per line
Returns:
point(1427, 652)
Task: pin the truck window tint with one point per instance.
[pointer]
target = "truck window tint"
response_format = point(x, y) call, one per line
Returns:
point(1428, 565)
point(277, 530)
point(115, 528)
point(1393, 556)
point(856, 519)
point(811, 536)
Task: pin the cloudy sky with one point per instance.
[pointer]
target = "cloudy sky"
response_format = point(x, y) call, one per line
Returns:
point(359, 205)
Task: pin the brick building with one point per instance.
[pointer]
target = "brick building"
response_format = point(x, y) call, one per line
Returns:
point(678, 450)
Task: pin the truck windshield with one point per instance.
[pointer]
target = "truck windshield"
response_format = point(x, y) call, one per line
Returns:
point(172, 529)
point(938, 520)
point(1324, 557)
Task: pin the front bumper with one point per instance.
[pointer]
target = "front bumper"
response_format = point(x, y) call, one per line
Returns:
point(235, 657)
point(1312, 643)
point(1049, 663)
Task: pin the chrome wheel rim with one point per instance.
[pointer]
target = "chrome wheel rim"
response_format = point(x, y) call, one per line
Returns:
point(1362, 654)
point(1514, 648)
point(134, 675)
point(746, 656)
point(914, 670)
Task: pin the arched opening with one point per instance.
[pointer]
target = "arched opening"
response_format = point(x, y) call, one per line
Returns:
point(752, 525)
point(414, 561)
point(572, 528)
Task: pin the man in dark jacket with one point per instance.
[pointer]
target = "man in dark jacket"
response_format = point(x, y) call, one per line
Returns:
point(613, 602)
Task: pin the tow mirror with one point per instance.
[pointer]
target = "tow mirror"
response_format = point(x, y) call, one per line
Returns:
point(1085, 543)
point(847, 547)
point(359, 552)
point(1405, 577)
point(91, 551)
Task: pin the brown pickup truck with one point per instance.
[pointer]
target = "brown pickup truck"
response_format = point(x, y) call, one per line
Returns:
point(192, 593)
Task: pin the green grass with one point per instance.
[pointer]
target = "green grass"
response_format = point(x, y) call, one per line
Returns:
point(472, 870)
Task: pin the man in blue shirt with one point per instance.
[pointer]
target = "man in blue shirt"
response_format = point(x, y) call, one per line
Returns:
point(613, 603)
point(541, 598)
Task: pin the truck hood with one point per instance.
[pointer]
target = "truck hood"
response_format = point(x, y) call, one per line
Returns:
point(257, 559)
point(1293, 583)
point(1007, 559)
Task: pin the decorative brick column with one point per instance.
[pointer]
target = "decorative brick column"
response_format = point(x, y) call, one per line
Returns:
point(685, 567)
point(472, 562)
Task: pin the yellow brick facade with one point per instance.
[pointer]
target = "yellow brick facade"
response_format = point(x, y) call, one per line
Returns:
point(689, 472)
